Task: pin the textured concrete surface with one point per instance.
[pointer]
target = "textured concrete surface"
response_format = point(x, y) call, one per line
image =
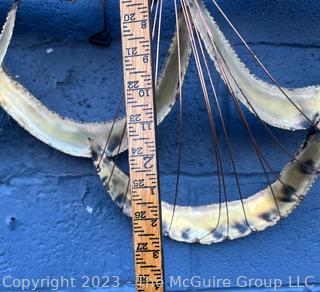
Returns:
point(55, 217)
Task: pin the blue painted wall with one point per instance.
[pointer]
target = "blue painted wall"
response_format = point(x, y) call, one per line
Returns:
point(64, 224)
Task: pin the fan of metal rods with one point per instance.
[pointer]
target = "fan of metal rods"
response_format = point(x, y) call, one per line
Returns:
point(271, 104)
point(236, 218)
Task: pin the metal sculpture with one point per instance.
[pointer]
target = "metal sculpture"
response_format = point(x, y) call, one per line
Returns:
point(204, 224)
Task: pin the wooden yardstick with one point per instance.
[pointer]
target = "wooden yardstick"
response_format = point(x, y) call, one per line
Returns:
point(141, 126)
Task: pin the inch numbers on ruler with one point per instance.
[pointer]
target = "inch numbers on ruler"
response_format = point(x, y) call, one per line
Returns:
point(140, 109)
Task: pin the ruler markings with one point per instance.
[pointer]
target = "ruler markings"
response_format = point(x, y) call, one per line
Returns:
point(139, 92)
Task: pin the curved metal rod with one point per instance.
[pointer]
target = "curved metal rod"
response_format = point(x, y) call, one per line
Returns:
point(72, 137)
point(199, 223)
point(286, 108)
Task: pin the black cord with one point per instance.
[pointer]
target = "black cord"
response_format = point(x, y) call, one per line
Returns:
point(103, 37)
